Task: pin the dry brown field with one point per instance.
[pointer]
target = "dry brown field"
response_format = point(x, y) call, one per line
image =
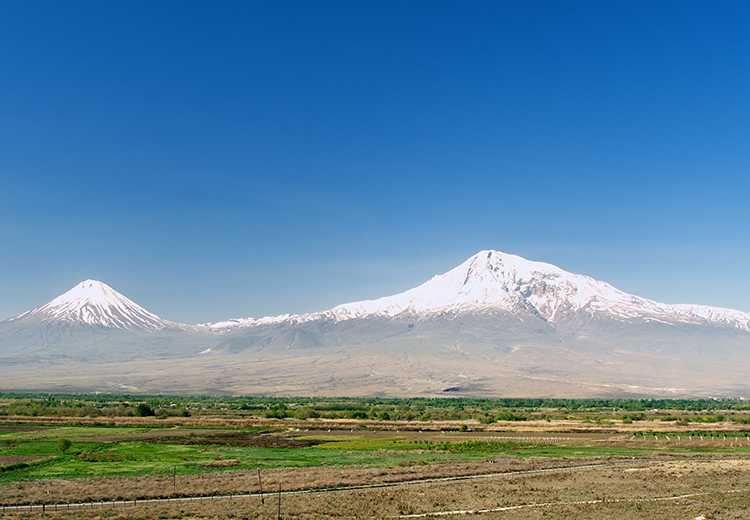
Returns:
point(718, 489)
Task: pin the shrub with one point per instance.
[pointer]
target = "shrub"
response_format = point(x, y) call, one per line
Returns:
point(144, 410)
point(306, 412)
point(63, 445)
point(510, 416)
point(278, 411)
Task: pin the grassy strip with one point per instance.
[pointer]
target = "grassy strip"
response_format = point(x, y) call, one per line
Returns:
point(87, 457)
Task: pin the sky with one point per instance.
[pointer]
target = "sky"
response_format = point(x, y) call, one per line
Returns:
point(213, 160)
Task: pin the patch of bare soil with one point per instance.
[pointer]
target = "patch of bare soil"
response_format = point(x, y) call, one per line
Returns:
point(7, 460)
point(221, 463)
point(554, 426)
point(10, 427)
point(216, 437)
point(229, 438)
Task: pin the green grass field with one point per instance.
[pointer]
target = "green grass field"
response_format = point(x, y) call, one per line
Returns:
point(89, 458)
point(128, 451)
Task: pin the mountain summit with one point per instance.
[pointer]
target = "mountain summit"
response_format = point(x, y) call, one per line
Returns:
point(94, 303)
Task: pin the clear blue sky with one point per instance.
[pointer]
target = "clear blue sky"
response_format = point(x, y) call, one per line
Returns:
point(218, 159)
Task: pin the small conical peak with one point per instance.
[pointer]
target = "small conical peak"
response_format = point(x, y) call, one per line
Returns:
point(89, 291)
point(92, 283)
point(95, 303)
point(91, 287)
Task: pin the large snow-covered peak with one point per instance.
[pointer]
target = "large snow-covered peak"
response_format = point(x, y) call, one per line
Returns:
point(95, 303)
point(495, 280)
point(492, 280)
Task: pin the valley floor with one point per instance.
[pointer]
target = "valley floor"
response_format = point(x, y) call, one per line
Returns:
point(585, 464)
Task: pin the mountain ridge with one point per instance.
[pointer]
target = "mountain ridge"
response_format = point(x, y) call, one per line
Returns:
point(495, 325)
point(488, 280)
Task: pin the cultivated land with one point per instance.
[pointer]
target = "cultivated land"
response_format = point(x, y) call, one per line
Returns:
point(372, 458)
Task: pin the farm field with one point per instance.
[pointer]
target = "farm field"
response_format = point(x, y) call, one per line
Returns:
point(495, 458)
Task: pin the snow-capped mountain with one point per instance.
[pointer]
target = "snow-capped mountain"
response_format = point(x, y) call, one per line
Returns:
point(92, 322)
point(493, 280)
point(94, 303)
point(495, 325)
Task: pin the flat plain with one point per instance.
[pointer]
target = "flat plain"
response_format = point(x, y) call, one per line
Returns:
point(167, 457)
